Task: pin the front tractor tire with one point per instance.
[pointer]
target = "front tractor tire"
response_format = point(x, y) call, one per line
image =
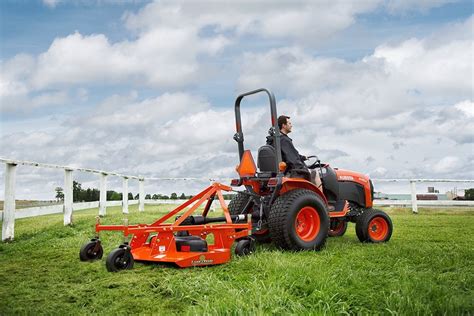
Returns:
point(374, 226)
point(299, 221)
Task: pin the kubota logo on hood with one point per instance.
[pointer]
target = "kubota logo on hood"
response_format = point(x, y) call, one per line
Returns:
point(346, 178)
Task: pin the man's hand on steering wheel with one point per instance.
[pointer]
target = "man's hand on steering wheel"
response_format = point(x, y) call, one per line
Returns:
point(312, 164)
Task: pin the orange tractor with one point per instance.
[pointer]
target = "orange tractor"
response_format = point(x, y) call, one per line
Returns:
point(283, 206)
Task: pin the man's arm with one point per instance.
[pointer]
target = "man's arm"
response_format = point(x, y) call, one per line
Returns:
point(291, 155)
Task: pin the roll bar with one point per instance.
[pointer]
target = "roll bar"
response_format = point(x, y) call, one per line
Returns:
point(239, 136)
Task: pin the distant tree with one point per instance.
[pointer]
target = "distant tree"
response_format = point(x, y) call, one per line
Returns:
point(76, 191)
point(59, 194)
point(174, 196)
point(113, 196)
point(155, 196)
point(88, 195)
point(165, 197)
point(148, 197)
point(182, 196)
point(469, 194)
point(136, 197)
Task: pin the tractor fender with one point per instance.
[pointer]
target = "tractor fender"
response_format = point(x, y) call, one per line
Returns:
point(288, 184)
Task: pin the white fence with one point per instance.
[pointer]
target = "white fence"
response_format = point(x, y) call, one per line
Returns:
point(414, 203)
point(9, 213)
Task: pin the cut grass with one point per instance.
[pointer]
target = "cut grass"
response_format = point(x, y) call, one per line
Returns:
point(426, 268)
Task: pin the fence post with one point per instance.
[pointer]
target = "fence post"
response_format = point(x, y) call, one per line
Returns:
point(103, 195)
point(8, 226)
point(68, 197)
point(414, 205)
point(141, 194)
point(125, 196)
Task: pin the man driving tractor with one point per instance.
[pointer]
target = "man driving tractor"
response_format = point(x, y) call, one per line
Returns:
point(289, 154)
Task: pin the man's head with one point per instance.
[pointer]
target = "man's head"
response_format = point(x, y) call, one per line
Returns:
point(284, 124)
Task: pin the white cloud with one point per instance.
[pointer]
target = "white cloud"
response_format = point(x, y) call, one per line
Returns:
point(405, 6)
point(172, 37)
point(125, 111)
point(14, 75)
point(445, 69)
point(378, 172)
point(51, 3)
point(395, 78)
point(302, 21)
point(447, 164)
point(466, 107)
point(161, 57)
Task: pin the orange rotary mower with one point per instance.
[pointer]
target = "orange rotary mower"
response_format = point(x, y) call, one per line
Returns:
point(182, 242)
point(286, 207)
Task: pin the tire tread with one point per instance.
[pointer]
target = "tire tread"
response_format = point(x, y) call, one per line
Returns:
point(278, 216)
point(363, 220)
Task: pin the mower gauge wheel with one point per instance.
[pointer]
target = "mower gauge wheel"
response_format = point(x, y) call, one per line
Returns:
point(91, 250)
point(245, 247)
point(119, 259)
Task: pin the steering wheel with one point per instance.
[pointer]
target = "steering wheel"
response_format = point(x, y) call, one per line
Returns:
point(313, 164)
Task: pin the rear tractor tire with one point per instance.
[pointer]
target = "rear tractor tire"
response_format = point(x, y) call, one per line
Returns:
point(337, 227)
point(299, 221)
point(374, 226)
point(236, 207)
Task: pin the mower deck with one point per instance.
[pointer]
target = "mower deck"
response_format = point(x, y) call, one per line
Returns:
point(158, 242)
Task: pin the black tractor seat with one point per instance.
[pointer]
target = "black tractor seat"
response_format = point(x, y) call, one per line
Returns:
point(266, 160)
point(267, 166)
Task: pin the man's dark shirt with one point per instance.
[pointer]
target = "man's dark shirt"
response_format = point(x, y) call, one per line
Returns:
point(289, 154)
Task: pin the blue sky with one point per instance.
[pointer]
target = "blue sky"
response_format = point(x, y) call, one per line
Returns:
point(374, 86)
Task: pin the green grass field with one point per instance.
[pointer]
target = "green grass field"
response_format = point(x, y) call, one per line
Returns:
point(426, 268)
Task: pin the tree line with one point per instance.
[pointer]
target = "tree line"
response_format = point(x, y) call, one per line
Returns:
point(90, 195)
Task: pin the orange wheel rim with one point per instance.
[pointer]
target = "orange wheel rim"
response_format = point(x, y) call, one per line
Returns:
point(339, 227)
point(261, 232)
point(378, 229)
point(307, 223)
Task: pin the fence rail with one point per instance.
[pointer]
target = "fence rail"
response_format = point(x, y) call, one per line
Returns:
point(423, 203)
point(9, 213)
